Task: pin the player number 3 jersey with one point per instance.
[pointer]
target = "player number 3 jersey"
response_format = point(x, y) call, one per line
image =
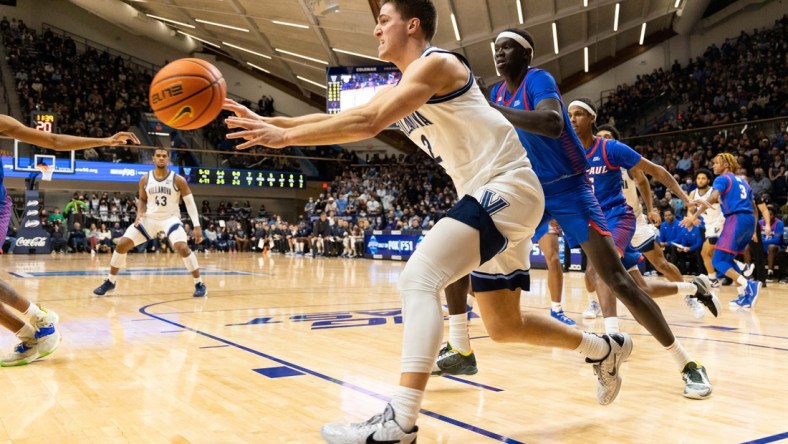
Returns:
point(163, 197)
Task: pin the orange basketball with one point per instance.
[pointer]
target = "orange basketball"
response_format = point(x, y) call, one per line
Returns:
point(187, 93)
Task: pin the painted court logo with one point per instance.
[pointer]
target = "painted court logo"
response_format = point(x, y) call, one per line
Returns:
point(186, 110)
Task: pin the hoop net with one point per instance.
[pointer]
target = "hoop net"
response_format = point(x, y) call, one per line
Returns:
point(46, 172)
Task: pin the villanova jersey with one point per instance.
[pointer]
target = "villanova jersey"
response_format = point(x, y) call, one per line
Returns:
point(606, 157)
point(163, 197)
point(712, 217)
point(631, 192)
point(471, 140)
point(552, 159)
point(735, 194)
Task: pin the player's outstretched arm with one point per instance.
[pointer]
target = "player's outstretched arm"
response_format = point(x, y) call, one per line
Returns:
point(664, 177)
point(641, 181)
point(60, 142)
point(191, 207)
point(423, 79)
point(701, 206)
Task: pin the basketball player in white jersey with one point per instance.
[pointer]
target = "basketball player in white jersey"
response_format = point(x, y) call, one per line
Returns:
point(439, 106)
point(38, 337)
point(160, 193)
point(713, 220)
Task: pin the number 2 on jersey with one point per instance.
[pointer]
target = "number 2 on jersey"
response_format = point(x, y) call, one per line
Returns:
point(427, 145)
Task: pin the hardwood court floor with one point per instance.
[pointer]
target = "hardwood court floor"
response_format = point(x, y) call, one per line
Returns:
point(283, 344)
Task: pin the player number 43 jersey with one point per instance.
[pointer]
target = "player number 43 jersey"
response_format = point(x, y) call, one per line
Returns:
point(163, 197)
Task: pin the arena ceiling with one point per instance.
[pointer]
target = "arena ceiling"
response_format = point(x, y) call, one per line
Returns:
point(295, 40)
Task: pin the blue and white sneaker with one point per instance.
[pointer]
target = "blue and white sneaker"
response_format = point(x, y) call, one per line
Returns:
point(24, 353)
point(751, 294)
point(738, 302)
point(200, 290)
point(561, 316)
point(380, 428)
point(47, 336)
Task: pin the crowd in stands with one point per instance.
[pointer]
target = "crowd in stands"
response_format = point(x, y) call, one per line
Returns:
point(742, 80)
point(93, 93)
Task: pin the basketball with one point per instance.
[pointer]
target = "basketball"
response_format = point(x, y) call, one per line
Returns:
point(187, 93)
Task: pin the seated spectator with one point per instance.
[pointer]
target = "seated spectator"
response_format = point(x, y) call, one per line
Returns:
point(77, 239)
point(93, 239)
point(669, 232)
point(759, 183)
point(241, 239)
point(774, 243)
point(56, 216)
point(320, 232)
point(688, 247)
point(211, 237)
point(10, 240)
point(58, 238)
point(115, 233)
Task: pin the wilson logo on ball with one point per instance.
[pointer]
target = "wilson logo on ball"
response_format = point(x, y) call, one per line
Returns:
point(167, 93)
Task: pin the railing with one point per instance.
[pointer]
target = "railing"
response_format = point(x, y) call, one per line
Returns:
point(754, 129)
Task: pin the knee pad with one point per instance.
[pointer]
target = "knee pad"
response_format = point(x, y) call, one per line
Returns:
point(191, 262)
point(421, 274)
point(118, 260)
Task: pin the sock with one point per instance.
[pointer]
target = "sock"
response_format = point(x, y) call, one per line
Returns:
point(458, 333)
point(592, 296)
point(26, 332)
point(611, 325)
point(741, 280)
point(555, 306)
point(406, 404)
point(678, 354)
point(34, 311)
point(593, 347)
point(685, 288)
point(112, 278)
point(198, 280)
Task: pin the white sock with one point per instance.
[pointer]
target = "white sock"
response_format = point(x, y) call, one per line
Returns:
point(592, 296)
point(26, 332)
point(458, 333)
point(741, 280)
point(678, 354)
point(34, 311)
point(593, 347)
point(112, 278)
point(198, 280)
point(611, 325)
point(555, 306)
point(406, 404)
point(685, 288)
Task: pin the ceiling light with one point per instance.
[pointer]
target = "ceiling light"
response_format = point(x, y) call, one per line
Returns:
point(356, 54)
point(258, 67)
point(247, 50)
point(492, 48)
point(456, 29)
point(312, 82)
point(206, 22)
point(519, 11)
point(615, 19)
point(676, 5)
point(300, 56)
point(555, 38)
point(294, 25)
point(585, 58)
point(197, 38)
point(174, 22)
point(642, 33)
point(585, 3)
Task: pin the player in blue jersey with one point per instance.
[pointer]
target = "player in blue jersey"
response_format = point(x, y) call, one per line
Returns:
point(738, 206)
point(606, 158)
point(39, 337)
point(529, 98)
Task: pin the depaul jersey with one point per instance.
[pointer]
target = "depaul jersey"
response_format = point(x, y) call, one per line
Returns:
point(712, 217)
point(163, 197)
point(606, 157)
point(630, 190)
point(735, 194)
point(552, 159)
point(471, 140)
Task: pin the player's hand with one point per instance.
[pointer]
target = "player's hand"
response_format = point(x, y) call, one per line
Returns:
point(255, 132)
point(654, 217)
point(687, 222)
point(198, 235)
point(556, 227)
point(755, 237)
point(767, 230)
point(122, 138)
point(239, 110)
point(137, 221)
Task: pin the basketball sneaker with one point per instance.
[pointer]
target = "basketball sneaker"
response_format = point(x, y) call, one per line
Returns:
point(380, 428)
point(24, 353)
point(738, 302)
point(715, 283)
point(698, 310)
point(705, 296)
point(607, 370)
point(751, 294)
point(104, 288)
point(200, 290)
point(697, 385)
point(452, 362)
point(746, 269)
point(560, 316)
point(47, 336)
point(593, 311)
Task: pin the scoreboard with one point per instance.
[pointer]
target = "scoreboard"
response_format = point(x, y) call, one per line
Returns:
point(44, 121)
point(244, 178)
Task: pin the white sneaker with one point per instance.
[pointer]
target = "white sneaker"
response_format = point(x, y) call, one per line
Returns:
point(607, 370)
point(380, 428)
point(24, 353)
point(697, 385)
point(698, 310)
point(47, 335)
point(593, 311)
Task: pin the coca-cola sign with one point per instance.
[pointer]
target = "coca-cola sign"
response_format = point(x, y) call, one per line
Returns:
point(38, 241)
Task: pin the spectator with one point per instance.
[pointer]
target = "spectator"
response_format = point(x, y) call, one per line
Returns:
point(77, 239)
point(688, 247)
point(57, 238)
point(241, 239)
point(211, 238)
point(759, 183)
point(669, 232)
point(320, 231)
point(56, 217)
point(774, 243)
point(93, 238)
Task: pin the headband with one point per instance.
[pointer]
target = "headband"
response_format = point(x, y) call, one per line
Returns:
point(516, 37)
point(583, 105)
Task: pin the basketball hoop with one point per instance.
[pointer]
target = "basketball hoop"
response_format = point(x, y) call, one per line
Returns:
point(46, 171)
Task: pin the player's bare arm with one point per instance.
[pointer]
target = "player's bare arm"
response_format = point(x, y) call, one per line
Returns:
point(437, 74)
point(702, 205)
point(191, 207)
point(142, 200)
point(60, 142)
point(641, 181)
point(547, 119)
point(662, 176)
